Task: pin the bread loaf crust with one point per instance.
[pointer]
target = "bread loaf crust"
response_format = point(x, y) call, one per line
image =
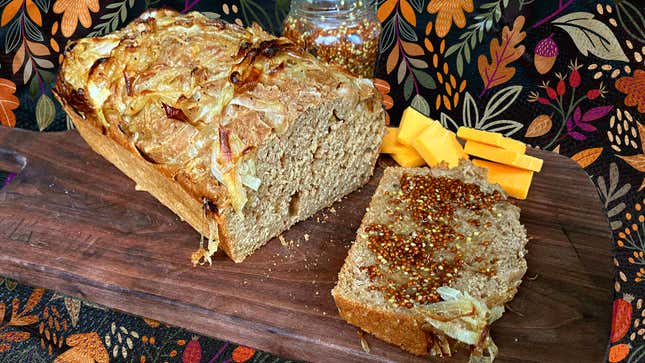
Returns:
point(146, 176)
point(192, 102)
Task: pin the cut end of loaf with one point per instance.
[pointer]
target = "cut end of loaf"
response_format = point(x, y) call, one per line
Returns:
point(329, 152)
point(493, 239)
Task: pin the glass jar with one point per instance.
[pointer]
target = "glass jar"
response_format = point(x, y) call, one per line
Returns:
point(341, 32)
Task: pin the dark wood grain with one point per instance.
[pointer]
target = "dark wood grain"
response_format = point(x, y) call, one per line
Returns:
point(73, 223)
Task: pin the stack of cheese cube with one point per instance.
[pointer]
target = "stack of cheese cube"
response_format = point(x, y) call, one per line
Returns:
point(506, 161)
point(420, 140)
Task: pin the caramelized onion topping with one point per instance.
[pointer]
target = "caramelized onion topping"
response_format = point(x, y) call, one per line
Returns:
point(95, 65)
point(175, 113)
point(225, 145)
point(209, 207)
point(145, 156)
point(245, 74)
point(128, 83)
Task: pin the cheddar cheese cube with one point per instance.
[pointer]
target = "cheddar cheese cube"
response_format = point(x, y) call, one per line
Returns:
point(458, 148)
point(412, 123)
point(503, 156)
point(528, 162)
point(513, 145)
point(484, 137)
point(491, 138)
point(389, 144)
point(436, 145)
point(408, 157)
point(489, 152)
point(515, 181)
point(434, 148)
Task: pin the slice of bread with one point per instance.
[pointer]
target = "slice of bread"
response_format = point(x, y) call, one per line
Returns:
point(469, 258)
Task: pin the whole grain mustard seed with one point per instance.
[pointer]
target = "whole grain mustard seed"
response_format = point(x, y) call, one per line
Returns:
point(411, 267)
point(346, 38)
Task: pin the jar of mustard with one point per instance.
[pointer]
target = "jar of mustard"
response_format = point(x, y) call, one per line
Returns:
point(341, 32)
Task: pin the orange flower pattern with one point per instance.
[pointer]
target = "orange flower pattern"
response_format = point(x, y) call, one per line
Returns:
point(449, 11)
point(84, 348)
point(75, 11)
point(634, 88)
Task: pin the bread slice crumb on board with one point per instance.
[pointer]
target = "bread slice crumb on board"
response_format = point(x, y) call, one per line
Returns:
point(437, 255)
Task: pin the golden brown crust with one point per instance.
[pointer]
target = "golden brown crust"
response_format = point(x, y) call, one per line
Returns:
point(167, 85)
point(194, 103)
point(398, 329)
point(148, 177)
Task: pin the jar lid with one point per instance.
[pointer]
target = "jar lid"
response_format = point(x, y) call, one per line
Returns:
point(330, 8)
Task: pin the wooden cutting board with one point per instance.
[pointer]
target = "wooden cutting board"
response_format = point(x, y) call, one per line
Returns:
point(73, 223)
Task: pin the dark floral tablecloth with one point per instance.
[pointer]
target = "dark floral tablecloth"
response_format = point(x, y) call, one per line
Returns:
point(567, 76)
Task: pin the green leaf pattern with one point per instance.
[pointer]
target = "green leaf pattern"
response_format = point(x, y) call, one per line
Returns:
point(591, 36)
point(496, 105)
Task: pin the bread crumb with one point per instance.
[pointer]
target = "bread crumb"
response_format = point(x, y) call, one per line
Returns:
point(306, 237)
point(282, 240)
point(332, 210)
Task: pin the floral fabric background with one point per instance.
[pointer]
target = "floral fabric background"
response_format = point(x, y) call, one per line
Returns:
point(566, 75)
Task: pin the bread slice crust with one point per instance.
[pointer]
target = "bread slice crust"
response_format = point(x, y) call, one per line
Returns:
point(398, 329)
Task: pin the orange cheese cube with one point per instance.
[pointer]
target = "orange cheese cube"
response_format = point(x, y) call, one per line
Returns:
point(491, 138)
point(436, 145)
point(529, 163)
point(492, 153)
point(503, 156)
point(485, 137)
point(515, 182)
point(513, 145)
point(408, 157)
point(412, 123)
point(389, 144)
point(460, 150)
point(435, 148)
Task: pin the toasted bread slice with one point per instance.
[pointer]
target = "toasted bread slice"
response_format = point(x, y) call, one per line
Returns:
point(481, 244)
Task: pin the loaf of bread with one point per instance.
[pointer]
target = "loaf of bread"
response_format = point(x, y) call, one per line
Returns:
point(437, 255)
point(240, 133)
